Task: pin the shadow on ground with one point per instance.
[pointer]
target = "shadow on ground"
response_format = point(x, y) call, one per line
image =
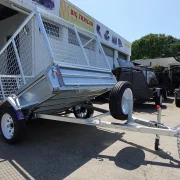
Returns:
point(147, 108)
point(54, 150)
point(169, 100)
point(131, 158)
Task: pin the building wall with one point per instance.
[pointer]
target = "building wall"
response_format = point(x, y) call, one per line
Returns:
point(24, 45)
point(125, 49)
point(161, 61)
point(9, 26)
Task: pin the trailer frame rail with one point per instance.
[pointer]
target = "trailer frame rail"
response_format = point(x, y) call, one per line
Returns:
point(132, 124)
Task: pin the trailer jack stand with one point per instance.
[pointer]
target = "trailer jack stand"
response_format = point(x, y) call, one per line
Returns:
point(178, 142)
point(157, 139)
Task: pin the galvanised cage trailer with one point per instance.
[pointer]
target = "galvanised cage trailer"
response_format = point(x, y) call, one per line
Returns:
point(50, 68)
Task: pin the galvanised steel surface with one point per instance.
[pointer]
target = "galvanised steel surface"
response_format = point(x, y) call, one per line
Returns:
point(50, 65)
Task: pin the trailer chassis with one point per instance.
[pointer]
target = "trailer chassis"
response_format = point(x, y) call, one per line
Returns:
point(133, 124)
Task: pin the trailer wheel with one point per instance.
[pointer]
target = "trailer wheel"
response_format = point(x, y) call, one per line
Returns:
point(159, 100)
point(12, 129)
point(165, 95)
point(83, 112)
point(177, 101)
point(119, 100)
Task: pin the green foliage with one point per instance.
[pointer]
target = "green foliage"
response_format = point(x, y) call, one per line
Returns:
point(156, 66)
point(155, 46)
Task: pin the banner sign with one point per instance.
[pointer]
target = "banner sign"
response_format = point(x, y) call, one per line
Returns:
point(51, 6)
point(69, 12)
point(63, 9)
point(112, 39)
point(73, 15)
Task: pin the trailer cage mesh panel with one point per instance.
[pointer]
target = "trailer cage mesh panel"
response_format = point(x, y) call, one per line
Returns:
point(41, 40)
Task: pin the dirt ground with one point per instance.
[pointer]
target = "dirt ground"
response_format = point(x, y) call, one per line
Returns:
point(55, 150)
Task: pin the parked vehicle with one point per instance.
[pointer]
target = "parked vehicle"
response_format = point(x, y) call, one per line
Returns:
point(177, 90)
point(164, 80)
point(47, 73)
point(175, 76)
point(144, 82)
point(39, 76)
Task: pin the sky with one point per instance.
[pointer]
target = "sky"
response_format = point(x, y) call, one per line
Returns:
point(133, 19)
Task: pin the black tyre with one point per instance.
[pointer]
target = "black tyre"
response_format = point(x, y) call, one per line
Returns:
point(41, 2)
point(12, 129)
point(171, 92)
point(119, 100)
point(159, 100)
point(177, 101)
point(165, 95)
point(83, 112)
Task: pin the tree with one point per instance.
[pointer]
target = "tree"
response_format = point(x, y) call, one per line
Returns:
point(155, 46)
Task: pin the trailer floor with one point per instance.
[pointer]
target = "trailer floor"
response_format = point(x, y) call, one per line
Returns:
point(55, 150)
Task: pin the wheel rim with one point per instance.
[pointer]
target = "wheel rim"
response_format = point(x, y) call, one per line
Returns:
point(126, 98)
point(80, 111)
point(7, 126)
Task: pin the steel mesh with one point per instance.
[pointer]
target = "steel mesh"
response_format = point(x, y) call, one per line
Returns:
point(40, 51)
point(66, 47)
point(28, 53)
point(24, 46)
point(62, 43)
point(9, 70)
point(94, 51)
point(10, 75)
point(10, 85)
